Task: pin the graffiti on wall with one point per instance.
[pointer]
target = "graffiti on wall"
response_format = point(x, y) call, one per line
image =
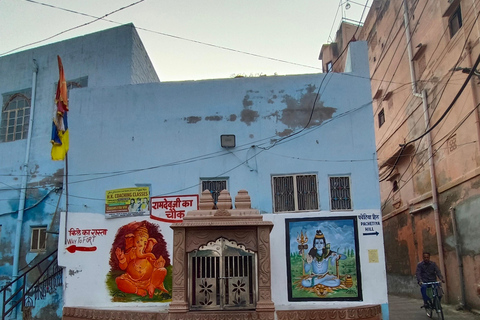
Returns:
point(140, 268)
point(83, 239)
point(323, 261)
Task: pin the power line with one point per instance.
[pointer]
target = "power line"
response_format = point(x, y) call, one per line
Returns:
point(73, 28)
point(317, 95)
point(311, 129)
point(207, 156)
point(420, 166)
point(35, 204)
point(131, 171)
point(451, 104)
point(151, 31)
point(401, 57)
point(441, 94)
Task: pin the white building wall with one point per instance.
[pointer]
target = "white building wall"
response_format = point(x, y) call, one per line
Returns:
point(167, 136)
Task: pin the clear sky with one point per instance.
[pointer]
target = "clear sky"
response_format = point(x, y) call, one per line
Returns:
point(184, 37)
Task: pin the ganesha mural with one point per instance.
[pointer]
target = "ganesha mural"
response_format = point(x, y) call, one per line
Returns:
point(140, 264)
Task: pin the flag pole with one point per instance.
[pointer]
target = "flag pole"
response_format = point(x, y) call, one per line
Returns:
point(60, 135)
point(66, 195)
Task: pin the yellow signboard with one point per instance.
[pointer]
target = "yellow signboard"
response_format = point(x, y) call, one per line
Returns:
point(127, 202)
point(373, 255)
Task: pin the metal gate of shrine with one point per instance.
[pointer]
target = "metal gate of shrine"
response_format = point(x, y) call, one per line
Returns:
point(221, 262)
point(222, 276)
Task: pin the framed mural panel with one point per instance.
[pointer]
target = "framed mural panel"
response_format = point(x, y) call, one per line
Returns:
point(140, 269)
point(323, 261)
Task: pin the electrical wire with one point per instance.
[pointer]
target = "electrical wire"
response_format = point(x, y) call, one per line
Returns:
point(313, 107)
point(155, 32)
point(197, 158)
point(451, 104)
point(401, 57)
point(34, 205)
point(387, 48)
point(317, 95)
point(445, 137)
point(73, 28)
point(451, 74)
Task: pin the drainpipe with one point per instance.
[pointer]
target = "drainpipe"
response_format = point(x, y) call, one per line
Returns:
point(476, 16)
point(458, 249)
point(431, 163)
point(474, 93)
point(433, 182)
point(408, 38)
point(21, 201)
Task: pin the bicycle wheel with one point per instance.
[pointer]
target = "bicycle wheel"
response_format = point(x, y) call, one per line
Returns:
point(429, 311)
point(438, 308)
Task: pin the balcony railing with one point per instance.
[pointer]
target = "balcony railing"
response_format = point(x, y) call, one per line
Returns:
point(47, 275)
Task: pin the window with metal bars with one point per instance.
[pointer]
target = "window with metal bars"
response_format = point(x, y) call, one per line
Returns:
point(38, 239)
point(340, 198)
point(295, 193)
point(222, 277)
point(214, 186)
point(15, 115)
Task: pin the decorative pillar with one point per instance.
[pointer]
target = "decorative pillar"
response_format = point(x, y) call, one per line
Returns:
point(265, 303)
point(180, 273)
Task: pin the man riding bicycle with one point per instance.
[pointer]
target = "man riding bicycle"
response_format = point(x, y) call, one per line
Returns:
point(427, 271)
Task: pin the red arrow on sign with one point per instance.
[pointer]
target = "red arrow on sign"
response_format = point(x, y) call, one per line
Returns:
point(74, 248)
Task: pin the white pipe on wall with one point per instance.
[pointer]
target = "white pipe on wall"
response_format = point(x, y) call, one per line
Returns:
point(431, 163)
point(21, 201)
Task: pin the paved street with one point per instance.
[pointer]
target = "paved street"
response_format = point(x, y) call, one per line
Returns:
point(402, 308)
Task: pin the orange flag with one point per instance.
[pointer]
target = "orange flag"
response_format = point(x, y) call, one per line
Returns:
point(60, 135)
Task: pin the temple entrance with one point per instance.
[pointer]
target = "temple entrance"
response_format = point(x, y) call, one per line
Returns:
point(221, 262)
point(222, 277)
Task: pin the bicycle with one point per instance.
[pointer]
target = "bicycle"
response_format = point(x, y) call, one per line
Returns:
point(435, 304)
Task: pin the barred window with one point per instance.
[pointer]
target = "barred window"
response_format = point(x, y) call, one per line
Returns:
point(340, 198)
point(15, 115)
point(214, 186)
point(295, 193)
point(38, 239)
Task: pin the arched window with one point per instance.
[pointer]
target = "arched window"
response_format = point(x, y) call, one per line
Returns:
point(15, 115)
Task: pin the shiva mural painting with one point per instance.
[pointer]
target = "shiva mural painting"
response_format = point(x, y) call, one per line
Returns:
point(140, 267)
point(323, 261)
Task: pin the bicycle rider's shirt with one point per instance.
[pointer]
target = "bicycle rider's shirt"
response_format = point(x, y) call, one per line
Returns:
point(428, 272)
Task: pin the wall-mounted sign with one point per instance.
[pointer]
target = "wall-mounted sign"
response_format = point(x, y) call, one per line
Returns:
point(173, 208)
point(370, 223)
point(127, 202)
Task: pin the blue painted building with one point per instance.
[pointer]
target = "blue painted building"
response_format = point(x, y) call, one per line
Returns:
point(302, 146)
point(27, 85)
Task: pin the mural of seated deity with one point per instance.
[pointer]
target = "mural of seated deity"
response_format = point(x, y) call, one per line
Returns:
point(139, 255)
point(317, 261)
